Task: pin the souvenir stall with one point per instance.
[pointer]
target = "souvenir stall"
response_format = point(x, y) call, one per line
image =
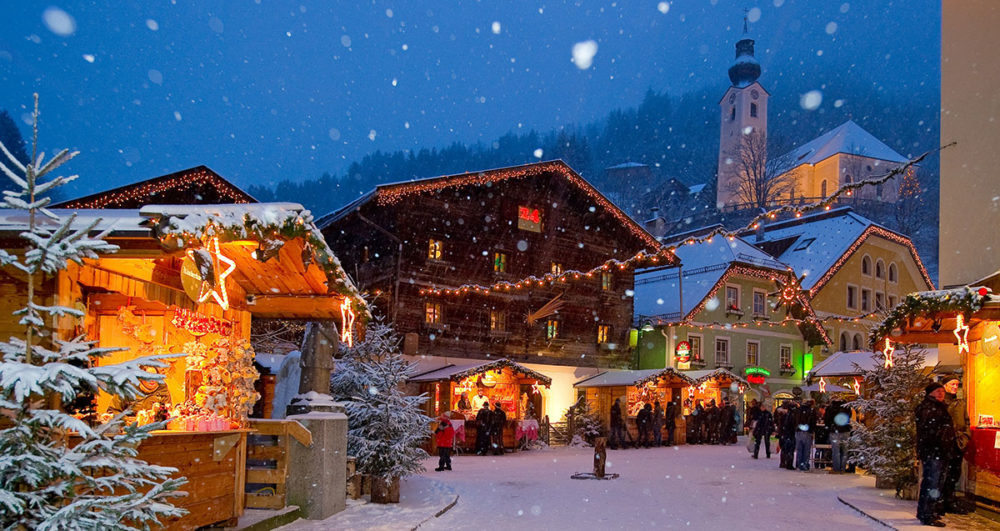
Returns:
point(460, 391)
point(184, 285)
point(714, 384)
point(635, 389)
point(969, 318)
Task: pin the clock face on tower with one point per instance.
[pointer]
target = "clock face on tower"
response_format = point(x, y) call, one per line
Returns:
point(754, 94)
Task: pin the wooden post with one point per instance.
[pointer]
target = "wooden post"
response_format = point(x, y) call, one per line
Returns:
point(600, 455)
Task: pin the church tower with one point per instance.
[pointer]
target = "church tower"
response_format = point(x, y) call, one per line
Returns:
point(742, 111)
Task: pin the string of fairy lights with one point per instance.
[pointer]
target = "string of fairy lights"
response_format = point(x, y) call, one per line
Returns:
point(147, 190)
point(666, 253)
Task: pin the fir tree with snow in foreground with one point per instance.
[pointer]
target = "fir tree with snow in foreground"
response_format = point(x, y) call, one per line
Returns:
point(884, 443)
point(386, 427)
point(56, 470)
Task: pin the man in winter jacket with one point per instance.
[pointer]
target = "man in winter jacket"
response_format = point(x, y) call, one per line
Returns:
point(444, 438)
point(499, 419)
point(804, 424)
point(656, 424)
point(617, 426)
point(935, 443)
point(762, 430)
point(838, 421)
point(670, 422)
point(959, 412)
point(786, 435)
point(642, 424)
point(484, 424)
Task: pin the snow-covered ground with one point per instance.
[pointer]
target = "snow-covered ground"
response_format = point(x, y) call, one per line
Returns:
point(690, 487)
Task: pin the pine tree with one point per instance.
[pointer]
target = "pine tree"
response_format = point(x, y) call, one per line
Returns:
point(386, 427)
point(57, 471)
point(884, 443)
point(584, 424)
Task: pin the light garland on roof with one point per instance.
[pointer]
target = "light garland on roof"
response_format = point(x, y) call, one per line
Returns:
point(145, 190)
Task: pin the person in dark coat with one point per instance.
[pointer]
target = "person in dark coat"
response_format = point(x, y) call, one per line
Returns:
point(804, 426)
point(642, 424)
point(695, 421)
point(727, 423)
point(617, 437)
point(499, 419)
point(935, 442)
point(711, 423)
point(484, 425)
point(762, 431)
point(656, 424)
point(838, 422)
point(670, 422)
point(959, 412)
point(786, 435)
point(752, 410)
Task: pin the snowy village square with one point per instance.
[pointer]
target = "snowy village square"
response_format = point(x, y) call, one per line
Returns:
point(579, 264)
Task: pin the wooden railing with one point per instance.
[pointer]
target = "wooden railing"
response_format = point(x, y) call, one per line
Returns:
point(267, 460)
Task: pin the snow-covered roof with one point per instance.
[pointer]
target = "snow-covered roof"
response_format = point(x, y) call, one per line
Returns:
point(853, 362)
point(703, 265)
point(847, 138)
point(708, 374)
point(626, 165)
point(124, 222)
point(696, 188)
point(457, 372)
point(615, 378)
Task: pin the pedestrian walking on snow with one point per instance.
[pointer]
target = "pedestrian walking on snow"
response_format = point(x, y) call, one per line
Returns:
point(444, 438)
point(484, 424)
point(499, 419)
point(617, 438)
point(642, 424)
point(656, 426)
point(762, 431)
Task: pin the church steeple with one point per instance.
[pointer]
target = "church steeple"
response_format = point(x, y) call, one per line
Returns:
point(745, 69)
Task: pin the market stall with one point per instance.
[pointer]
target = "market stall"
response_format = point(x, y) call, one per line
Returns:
point(184, 286)
point(462, 389)
point(713, 385)
point(969, 318)
point(635, 389)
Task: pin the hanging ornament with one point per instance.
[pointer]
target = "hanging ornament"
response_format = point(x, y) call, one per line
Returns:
point(822, 385)
point(961, 333)
point(204, 272)
point(347, 322)
point(887, 352)
point(857, 385)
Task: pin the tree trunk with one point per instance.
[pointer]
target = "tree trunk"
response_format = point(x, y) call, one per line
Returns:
point(385, 490)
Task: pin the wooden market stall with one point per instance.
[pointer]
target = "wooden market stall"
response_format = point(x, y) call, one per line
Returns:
point(968, 317)
point(185, 283)
point(460, 389)
point(635, 389)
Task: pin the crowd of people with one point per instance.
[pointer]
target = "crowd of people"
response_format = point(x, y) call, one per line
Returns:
point(798, 425)
point(706, 424)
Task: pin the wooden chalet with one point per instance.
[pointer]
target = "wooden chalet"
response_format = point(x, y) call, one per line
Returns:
point(529, 263)
point(194, 186)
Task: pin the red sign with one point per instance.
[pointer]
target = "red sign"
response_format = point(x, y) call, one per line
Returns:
point(683, 352)
point(529, 219)
point(756, 378)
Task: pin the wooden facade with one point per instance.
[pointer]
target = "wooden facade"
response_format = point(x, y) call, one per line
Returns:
point(535, 239)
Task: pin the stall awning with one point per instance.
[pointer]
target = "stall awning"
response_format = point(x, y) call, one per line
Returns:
point(814, 388)
point(458, 372)
point(853, 363)
point(703, 376)
point(619, 378)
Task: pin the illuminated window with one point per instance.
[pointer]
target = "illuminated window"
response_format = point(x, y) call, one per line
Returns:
point(603, 333)
point(753, 353)
point(432, 312)
point(892, 273)
point(498, 321)
point(606, 281)
point(435, 249)
point(695, 342)
point(785, 356)
point(557, 268)
point(721, 351)
point(852, 297)
point(866, 266)
point(551, 329)
point(759, 302)
point(866, 300)
point(500, 262)
point(733, 298)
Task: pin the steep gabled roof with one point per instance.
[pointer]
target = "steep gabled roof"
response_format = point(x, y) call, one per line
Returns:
point(847, 138)
point(387, 194)
point(199, 185)
point(822, 242)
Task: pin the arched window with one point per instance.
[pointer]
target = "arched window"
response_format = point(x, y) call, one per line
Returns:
point(753, 110)
point(822, 188)
point(879, 269)
point(732, 113)
point(843, 341)
point(866, 266)
point(892, 273)
point(857, 342)
point(848, 179)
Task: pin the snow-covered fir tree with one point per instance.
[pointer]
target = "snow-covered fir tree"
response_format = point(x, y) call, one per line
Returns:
point(586, 426)
point(58, 471)
point(386, 427)
point(884, 442)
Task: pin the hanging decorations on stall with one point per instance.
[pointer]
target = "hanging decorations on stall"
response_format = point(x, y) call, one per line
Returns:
point(347, 323)
point(219, 385)
point(822, 384)
point(204, 272)
point(683, 352)
point(887, 352)
point(487, 380)
point(135, 326)
point(964, 301)
point(199, 324)
point(857, 385)
point(961, 334)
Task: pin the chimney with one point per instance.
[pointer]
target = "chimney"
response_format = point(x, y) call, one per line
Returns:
point(759, 234)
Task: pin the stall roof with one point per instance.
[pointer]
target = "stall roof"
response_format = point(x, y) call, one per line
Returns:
point(616, 378)
point(852, 363)
point(814, 388)
point(456, 372)
point(707, 374)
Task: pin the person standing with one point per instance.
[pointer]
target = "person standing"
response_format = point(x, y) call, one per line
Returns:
point(762, 430)
point(670, 422)
point(484, 424)
point(711, 423)
point(785, 427)
point(444, 437)
point(499, 420)
point(959, 412)
point(480, 400)
point(752, 410)
point(695, 421)
point(935, 442)
point(642, 422)
point(656, 425)
point(804, 419)
point(838, 422)
point(617, 426)
point(727, 423)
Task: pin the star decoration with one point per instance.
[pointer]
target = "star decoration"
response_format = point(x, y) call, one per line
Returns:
point(788, 292)
point(961, 333)
point(347, 322)
point(857, 386)
point(822, 385)
point(216, 288)
point(887, 351)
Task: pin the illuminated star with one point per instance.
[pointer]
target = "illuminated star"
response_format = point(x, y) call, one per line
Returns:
point(961, 333)
point(218, 290)
point(347, 321)
point(822, 385)
point(887, 351)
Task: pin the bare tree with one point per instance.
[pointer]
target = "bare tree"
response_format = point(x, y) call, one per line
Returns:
point(909, 205)
point(761, 179)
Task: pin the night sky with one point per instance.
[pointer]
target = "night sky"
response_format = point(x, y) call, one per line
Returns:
point(267, 90)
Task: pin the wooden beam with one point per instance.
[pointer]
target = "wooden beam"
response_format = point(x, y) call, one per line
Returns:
point(924, 337)
point(296, 306)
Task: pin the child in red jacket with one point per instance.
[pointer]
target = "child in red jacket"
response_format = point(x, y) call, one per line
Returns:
point(444, 437)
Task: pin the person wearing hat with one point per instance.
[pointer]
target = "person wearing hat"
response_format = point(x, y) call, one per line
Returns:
point(444, 437)
point(959, 412)
point(935, 442)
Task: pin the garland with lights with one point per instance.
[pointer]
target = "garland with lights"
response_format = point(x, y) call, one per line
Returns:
point(964, 301)
point(199, 324)
point(668, 372)
point(500, 364)
point(145, 190)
